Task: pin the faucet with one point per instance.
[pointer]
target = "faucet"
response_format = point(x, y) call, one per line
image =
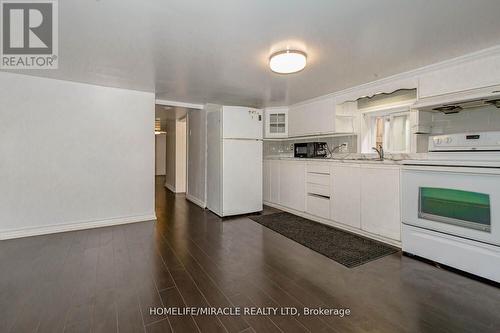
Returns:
point(380, 152)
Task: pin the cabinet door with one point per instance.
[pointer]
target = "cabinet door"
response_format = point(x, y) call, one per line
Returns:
point(316, 117)
point(297, 116)
point(345, 200)
point(274, 166)
point(380, 201)
point(292, 185)
point(266, 181)
point(473, 74)
point(276, 123)
point(345, 117)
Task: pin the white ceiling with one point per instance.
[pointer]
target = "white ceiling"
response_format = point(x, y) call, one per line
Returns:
point(202, 51)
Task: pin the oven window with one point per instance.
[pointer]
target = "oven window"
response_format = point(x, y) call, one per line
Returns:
point(463, 208)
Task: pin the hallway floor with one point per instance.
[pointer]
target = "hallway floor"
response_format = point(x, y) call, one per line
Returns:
point(106, 280)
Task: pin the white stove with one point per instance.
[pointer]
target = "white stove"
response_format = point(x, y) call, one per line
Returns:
point(451, 203)
point(466, 142)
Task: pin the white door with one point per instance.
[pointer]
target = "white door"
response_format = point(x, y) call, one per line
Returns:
point(242, 176)
point(241, 123)
point(380, 202)
point(346, 196)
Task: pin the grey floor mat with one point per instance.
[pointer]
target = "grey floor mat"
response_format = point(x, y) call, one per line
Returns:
point(344, 247)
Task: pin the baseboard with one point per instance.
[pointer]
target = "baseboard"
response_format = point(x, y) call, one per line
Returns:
point(171, 188)
point(52, 229)
point(196, 201)
point(336, 225)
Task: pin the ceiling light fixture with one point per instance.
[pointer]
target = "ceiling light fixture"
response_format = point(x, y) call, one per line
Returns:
point(288, 61)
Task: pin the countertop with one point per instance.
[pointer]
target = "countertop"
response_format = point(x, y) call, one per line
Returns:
point(488, 160)
point(386, 161)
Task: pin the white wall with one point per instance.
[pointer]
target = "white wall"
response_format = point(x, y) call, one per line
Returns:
point(180, 156)
point(161, 154)
point(175, 179)
point(197, 147)
point(170, 160)
point(73, 155)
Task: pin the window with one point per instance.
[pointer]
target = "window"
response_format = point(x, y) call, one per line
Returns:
point(277, 123)
point(389, 130)
point(386, 121)
point(463, 208)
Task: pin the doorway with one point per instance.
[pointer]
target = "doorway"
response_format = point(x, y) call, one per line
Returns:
point(170, 145)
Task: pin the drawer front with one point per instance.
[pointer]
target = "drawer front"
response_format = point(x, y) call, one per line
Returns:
point(323, 190)
point(317, 178)
point(319, 168)
point(318, 206)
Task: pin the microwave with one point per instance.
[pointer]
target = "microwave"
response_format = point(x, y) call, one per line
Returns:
point(310, 150)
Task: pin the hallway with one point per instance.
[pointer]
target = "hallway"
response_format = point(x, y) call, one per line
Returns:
point(105, 280)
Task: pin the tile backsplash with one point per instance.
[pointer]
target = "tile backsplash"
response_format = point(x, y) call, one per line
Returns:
point(470, 120)
point(284, 147)
point(481, 119)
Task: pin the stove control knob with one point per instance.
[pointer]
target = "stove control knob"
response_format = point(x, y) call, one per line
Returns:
point(449, 140)
point(437, 141)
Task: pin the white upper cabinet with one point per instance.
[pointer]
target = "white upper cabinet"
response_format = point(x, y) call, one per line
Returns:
point(461, 76)
point(312, 118)
point(276, 122)
point(346, 117)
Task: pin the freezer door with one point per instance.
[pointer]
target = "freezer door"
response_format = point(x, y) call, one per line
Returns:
point(242, 176)
point(242, 123)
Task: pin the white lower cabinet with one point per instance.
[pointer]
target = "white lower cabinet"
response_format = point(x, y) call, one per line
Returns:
point(318, 205)
point(284, 183)
point(274, 172)
point(318, 189)
point(345, 201)
point(266, 181)
point(292, 185)
point(360, 196)
point(380, 201)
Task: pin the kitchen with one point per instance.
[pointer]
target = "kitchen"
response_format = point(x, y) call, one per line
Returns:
point(400, 160)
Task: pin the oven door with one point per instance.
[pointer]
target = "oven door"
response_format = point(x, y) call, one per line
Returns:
point(459, 201)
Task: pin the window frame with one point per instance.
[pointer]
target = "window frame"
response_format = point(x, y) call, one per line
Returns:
point(369, 131)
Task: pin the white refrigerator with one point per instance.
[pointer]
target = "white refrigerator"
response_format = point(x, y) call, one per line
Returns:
point(234, 160)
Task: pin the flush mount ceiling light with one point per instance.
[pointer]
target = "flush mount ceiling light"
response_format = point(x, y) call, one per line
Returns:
point(288, 61)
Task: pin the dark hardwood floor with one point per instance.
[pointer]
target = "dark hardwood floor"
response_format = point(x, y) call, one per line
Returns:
point(106, 280)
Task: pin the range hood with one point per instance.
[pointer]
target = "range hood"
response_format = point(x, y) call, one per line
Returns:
point(456, 102)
